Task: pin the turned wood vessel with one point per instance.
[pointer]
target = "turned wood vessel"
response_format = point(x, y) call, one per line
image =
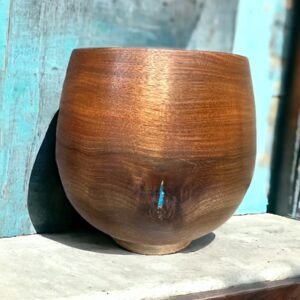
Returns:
point(156, 147)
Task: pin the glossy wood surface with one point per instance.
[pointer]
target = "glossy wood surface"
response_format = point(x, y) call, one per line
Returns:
point(156, 147)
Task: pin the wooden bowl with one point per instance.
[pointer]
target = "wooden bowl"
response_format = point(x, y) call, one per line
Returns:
point(156, 147)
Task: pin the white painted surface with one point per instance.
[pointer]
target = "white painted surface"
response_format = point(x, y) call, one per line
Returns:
point(82, 266)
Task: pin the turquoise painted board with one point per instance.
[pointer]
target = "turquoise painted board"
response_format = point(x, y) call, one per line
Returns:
point(260, 29)
point(36, 40)
point(215, 27)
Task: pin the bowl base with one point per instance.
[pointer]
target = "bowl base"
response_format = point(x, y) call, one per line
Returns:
point(152, 249)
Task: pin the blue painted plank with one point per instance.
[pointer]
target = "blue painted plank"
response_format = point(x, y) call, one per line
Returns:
point(4, 28)
point(36, 40)
point(259, 24)
point(4, 166)
point(214, 30)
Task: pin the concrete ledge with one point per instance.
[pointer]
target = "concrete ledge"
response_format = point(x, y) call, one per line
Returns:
point(247, 249)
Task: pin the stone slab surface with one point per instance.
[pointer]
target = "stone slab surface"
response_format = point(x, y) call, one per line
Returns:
point(246, 249)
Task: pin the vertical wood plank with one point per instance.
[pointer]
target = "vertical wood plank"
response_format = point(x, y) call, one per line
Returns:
point(5, 6)
point(4, 28)
point(285, 179)
point(215, 27)
point(40, 37)
point(260, 30)
point(37, 37)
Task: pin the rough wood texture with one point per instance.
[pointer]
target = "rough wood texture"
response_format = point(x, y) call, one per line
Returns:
point(262, 43)
point(215, 27)
point(36, 40)
point(285, 179)
point(156, 147)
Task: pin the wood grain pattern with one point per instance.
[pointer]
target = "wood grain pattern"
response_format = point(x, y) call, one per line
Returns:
point(263, 44)
point(36, 40)
point(215, 28)
point(284, 193)
point(132, 118)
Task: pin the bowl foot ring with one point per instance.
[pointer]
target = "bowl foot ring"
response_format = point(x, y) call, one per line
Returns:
point(152, 249)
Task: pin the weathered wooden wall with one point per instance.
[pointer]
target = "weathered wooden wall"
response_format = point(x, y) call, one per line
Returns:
point(36, 39)
point(260, 34)
point(284, 196)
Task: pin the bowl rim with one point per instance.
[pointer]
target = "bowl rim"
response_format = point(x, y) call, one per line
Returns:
point(154, 49)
